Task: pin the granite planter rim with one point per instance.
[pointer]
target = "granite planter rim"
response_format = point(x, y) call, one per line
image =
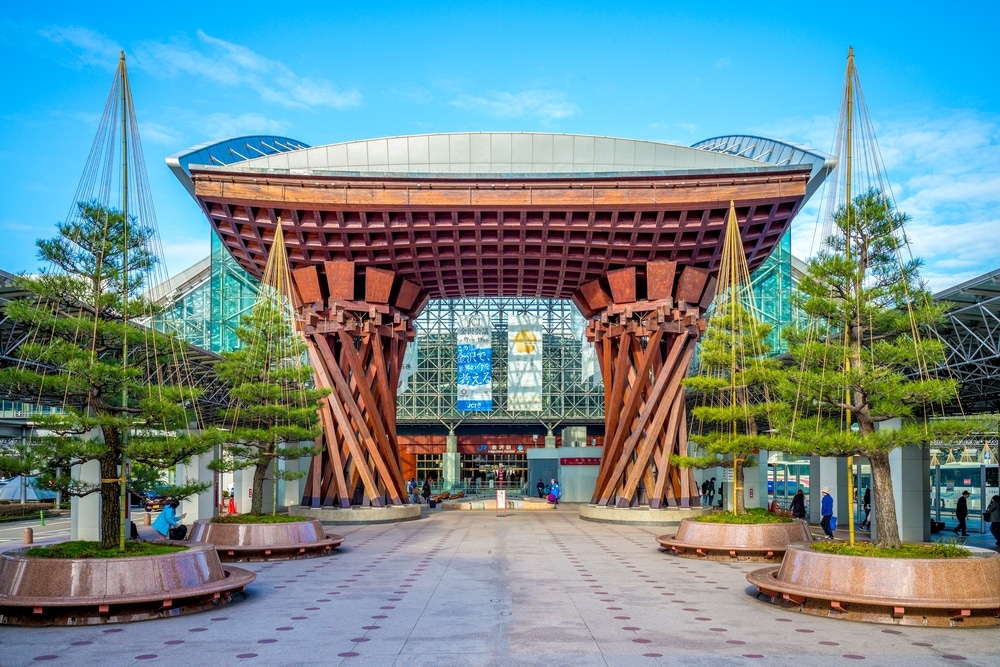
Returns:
point(108, 590)
point(727, 541)
point(906, 591)
point(266, 541)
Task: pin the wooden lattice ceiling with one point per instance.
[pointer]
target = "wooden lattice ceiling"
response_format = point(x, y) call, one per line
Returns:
point(499, 236)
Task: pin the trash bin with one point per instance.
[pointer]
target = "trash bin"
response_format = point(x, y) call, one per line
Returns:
point(432, 503)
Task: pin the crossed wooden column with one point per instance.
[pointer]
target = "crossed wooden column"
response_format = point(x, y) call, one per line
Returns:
point(356, 348)
point(644, 346)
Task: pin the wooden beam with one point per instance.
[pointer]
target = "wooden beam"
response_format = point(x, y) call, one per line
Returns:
point(660, 280)
point(691, 285)
point(340, 279)
point(595, 295)
point(622, 282)
point(307, 284)
point(378, 284)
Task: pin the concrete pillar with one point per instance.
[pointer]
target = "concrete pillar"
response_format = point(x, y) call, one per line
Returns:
point(911, 489)
point(85, 513)
point(291, 489)
point(201, 506)
point(828, 471)
point(550, 440)
point(755, 483)
point(243, 479)
point(451, 463)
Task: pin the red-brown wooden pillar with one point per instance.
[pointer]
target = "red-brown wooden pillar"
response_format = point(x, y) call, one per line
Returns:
point(356, 328)
point(645, 332)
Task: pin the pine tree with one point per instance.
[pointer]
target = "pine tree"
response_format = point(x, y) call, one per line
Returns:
point(273, 406)
point(85, 357)
point(736, 380)
point(868, 359)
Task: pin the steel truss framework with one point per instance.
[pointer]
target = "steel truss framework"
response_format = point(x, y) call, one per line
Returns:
point(972, 340)
point(571, 395)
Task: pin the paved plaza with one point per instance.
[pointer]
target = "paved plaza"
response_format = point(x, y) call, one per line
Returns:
point(469, 588)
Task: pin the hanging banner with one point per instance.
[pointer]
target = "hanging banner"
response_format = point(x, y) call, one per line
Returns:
point(588, 359)
point(409, 366)
point(524, 363)
point(474, 357)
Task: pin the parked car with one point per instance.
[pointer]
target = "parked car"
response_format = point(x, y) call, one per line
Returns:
point(155, 501)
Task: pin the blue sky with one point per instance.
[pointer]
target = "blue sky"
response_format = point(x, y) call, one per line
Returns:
point(674, 72)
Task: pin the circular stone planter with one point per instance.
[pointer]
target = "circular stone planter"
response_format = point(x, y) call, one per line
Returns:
point(735, 541)
point(90, 591)
point(237, 542)
point(642, 515)
point(357, 515)
point(941, 592)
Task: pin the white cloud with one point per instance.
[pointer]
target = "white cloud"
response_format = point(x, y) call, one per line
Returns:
point(229, 125)
point(163, 135)
point(232, 65)
point(90, 47)
point(944, 172)
point(543, 104)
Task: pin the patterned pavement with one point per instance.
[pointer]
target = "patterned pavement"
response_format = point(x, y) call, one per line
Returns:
point(469, 588)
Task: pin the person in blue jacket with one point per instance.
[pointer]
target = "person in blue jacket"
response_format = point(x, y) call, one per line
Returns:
point(167, 519)
point(554, 492)
point(826, 512)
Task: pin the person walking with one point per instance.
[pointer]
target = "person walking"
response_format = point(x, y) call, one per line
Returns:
point(711, 490)
point(961, 511)
point(826, 512)
point(866, 505)
point(992, 514)
point(426, 490)
point(798, 505)
point(554, 492)
point(541, 488)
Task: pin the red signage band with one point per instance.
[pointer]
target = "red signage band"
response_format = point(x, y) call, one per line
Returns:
point(581, 461)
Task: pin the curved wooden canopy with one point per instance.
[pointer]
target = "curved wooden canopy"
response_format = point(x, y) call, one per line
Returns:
point(490, 235)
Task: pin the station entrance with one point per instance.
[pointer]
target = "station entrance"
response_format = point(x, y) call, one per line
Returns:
point(495, 471)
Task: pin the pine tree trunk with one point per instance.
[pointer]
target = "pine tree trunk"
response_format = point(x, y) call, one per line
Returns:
point(257, 502)
point(884, 505)
point(110, 498)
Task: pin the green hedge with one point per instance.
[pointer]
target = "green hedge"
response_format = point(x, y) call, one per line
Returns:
point(14, 510)
point(262, 518)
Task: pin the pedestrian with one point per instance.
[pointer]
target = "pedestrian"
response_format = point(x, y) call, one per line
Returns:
point(711, 490)
point(411, 490)
point(961, 511)
point(826, 512)
point(554, 492)
point(798, 506)
point(866, 505)
point(704, 492)
point(426, 491)
point(541, 488)
point(992, 514)
point(168, 523)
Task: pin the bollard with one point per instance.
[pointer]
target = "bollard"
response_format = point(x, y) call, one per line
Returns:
point(29, 536)
point(147, 520)
point(41, 516)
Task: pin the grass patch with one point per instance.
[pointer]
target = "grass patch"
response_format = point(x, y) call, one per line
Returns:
point(82, 549)
point(937, 550)
point(754, 515)
point(260, 518)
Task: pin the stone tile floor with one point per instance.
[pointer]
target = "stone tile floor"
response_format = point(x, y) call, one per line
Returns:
point(470, 588)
